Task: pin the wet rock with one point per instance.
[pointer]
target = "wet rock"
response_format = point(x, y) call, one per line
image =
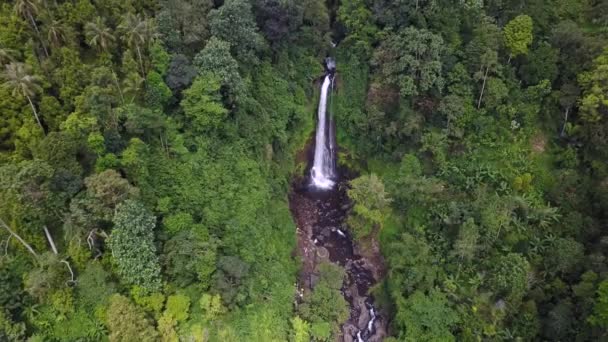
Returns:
point(364, 316)
point(350, 331)
point(322, 252)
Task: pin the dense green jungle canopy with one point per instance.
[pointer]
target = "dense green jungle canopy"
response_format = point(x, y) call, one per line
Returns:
point(147, 148)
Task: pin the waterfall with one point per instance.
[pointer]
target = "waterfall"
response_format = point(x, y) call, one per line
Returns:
point(323, 169)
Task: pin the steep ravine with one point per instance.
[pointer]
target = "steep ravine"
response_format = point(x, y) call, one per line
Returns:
point(320, 215)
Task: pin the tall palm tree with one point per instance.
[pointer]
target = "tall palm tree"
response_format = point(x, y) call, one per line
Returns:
point(132, 84)
point(55, 33)
point(18, 77)
point(7, 56)
point(98, 34)
point(27, 9)
point(138, 34)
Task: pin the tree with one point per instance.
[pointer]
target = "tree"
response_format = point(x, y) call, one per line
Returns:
point(27, 9)
point(326, 303)
point(230, 279)
point(278, 20)
point(190, 256)
point(99, 35)
point(509, 276)
point(466, 245)
point(132, 244)
point(564, 256)
point(202, 104)
point(452, 107)
point(157, 93)
point(19, 79)
point(411, 266)
point(301, 330)
point(600, 309)
point(358, 20)
point(181, 26)
point(127, 322)
point(138, 33)
point(489, 62)
point(411, 60)
point(180, 74)
point(105, 191)
point(178, 307)
point(7, 56)
point(234, 23)
point(56, 33)
point(541, 65)
point(215, 59)
point(426, 317)
point(371, 204)
point(518, 35)
point(211, 307)
point(594, 102)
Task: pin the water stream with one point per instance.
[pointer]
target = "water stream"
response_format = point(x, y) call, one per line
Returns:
point(323, 170)
point(320, 207)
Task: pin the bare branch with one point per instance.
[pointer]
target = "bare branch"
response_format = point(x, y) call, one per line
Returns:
point(25, 244)
point(71, 281)
point(50, 238)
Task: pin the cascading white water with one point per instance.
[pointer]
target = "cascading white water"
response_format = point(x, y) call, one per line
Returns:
point(323, 169)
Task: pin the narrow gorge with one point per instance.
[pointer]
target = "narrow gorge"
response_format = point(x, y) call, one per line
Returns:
point(320, 206)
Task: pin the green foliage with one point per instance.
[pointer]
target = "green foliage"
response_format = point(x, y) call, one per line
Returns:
point(466, 245)
point(190, 256)
point(177, 307)
point(132, 244)
point(320, 331)
point(496, 170)
point(215, 59)
point(211, 306)
point(600, 309)
point(94, 286)
point(410, 60)
point(44, 280)
point(10, 330)
point(594, 101)
point(325, 307)
point(230, 280)
point(510, 276)
point(371, 204)
point(202, 104)
point(518, 35)
point(157, 92)
point(523, 182)
point(234, 23)
point(126, 322)
point(427, 317)
point(357, 18)
point(301, 330)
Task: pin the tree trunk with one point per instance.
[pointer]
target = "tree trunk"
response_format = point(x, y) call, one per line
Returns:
point(141, 62)
point(35, 114)
point(122, 99)
point(561, 134)
point(483, 87)
point(50, 238)
point(46, 52)
point(25, 244)
point(509, 60)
